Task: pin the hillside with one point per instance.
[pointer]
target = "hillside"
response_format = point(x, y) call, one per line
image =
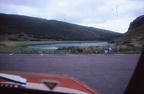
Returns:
point(16, 27)
point(134, 35)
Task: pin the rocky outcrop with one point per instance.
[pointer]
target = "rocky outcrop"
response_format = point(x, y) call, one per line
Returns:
point(134, 35)
point(136, 23)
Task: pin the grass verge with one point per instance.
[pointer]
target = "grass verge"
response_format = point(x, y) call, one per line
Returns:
point(20, 47)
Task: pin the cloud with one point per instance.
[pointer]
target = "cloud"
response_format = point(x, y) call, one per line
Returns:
point(26, 3)
point(113, 15)
point(113, 25)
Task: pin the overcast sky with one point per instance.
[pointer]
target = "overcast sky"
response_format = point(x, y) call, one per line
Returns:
point(112, 15)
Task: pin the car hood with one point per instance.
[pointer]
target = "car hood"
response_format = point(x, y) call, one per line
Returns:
point(44, 82)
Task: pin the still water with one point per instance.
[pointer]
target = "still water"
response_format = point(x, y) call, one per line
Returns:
point(55, 46)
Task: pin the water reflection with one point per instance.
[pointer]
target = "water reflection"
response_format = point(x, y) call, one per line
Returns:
point(61, 45)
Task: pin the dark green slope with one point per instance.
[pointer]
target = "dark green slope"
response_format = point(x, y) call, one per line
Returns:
point(51, 29)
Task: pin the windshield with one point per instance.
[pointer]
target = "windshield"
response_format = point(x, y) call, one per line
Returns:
point(98, 42)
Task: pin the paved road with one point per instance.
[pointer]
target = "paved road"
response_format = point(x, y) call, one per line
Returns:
point(108, 74)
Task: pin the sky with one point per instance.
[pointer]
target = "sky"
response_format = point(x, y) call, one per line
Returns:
point(114, 15)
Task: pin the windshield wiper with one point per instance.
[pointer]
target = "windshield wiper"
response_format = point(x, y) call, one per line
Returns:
point(14, 78)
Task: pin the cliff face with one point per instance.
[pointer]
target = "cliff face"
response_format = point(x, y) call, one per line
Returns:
point(139, 21)
point(134, 35)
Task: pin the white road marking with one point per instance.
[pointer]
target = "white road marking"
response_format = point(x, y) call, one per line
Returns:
point(69, 54)
point(11, 54)
point(120, 54)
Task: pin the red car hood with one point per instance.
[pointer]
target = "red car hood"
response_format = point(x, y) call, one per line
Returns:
point(45, 82)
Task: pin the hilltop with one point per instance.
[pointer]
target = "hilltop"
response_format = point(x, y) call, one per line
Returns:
point(135, 34)
point(22, 28)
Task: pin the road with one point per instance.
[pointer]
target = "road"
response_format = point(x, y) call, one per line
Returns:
point(109, 74)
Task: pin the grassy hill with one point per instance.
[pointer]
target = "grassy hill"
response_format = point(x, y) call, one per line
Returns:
point(135, 34)
point(18, 28)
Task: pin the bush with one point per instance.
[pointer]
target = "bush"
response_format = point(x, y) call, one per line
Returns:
point(13, 39)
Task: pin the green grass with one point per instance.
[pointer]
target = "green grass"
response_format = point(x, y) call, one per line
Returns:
point(20, 47)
